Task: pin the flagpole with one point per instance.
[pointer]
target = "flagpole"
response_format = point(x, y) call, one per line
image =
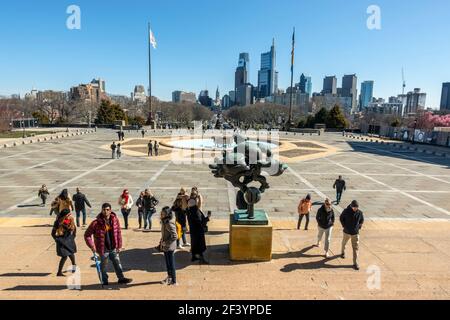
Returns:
point(150, 117)
point(292, 79)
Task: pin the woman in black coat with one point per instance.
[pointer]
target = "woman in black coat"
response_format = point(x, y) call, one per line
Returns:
point(197, 223)
point(64, 233)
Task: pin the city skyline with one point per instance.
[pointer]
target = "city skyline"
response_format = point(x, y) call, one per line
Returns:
point(53, 57)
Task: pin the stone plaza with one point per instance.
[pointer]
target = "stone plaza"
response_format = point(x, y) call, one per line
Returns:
point(403, 193)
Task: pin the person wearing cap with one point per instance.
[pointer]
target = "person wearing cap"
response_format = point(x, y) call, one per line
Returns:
point(304, 209)
point(80, 201)
point(325, 220)
point(64, 232)
point(340, 187)
point(104, 238)
point(352, 220)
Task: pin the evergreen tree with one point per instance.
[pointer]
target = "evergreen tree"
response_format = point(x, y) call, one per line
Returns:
point(321, 116)
point(109, 113)
point(336, 119)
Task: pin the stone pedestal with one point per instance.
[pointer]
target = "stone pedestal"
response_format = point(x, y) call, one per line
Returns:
point(250, 240)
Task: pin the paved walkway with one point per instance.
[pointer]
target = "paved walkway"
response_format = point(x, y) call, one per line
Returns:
point(412, 258)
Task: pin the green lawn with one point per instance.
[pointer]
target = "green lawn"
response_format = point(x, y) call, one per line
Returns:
point(19, 134)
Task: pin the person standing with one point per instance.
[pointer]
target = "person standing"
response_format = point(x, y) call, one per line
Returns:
point(119, 134)
point(352, 220)
point(340, 187)
point(64, 232)
point(304, 210)
point(143, 133)
point(197, 223)
point(80, 201)
point(150, 149)
point(199, 198)
point(168, 244)
point(141, 209)
point(43, 194)
point(123, 135)
point(104, 238)
point(63, 202)
point(179, 207)
point(156, 148)
point(325, 220)
point(150, 203)
point(119, 151)
point(113, 150)
point(126, 203)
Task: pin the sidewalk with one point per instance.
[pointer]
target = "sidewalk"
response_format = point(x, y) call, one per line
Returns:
point(413, 258)
point(59, 133)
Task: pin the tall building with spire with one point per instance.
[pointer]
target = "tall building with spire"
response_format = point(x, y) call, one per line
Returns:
point(267, 75)
point(218, 100)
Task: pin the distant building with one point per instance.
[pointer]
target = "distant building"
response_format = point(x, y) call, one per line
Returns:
point(365, 98)
point(415, 101)
point(267, 75)
point(349, 89)
point(226, 102)
point(244, 95)
point(305, 84)
point(139, 96)
point(242, 74)
point(445, 97)
point(204, 99)
point(93, 92)
point(329, 85)
point(32, 95)
point(218, 101)
point(232, 95)
point(50, 96)
point(181, 96)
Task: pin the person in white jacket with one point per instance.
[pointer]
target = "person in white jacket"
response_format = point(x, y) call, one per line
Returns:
point(126, 203)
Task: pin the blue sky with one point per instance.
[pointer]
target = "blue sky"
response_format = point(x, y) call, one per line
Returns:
point(199, 42)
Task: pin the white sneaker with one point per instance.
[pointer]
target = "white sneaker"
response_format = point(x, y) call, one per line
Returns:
point(187, 244)
point(166, 281)
point(327, 255)
point(180, 247)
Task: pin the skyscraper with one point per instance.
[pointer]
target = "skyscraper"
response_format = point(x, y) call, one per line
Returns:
point(445, 97)
point(243, 70)
point(330, 85)
point(305, 84)
point(366, 95)
point(349, 89)
point(415, 101)
point(267, 75)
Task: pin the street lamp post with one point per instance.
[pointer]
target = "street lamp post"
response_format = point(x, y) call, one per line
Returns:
point(23, 125)
point(414, 132)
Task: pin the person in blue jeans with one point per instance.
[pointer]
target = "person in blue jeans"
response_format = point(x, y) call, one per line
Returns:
point(340, 187)
point(168, 244)
point(80, 201)
point(150, 203)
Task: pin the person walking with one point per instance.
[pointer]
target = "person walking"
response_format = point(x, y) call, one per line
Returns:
point(150, 149)
point(104, 238)
point(43, 194)
point(156, 148)
point(325, 220)
point(168, 244)
point(113, 149)
point(141, 209)
point(119, 134)
point(340, 187)
point(143, 133)
point(126, 203)
point(64, 232)
point(179, 207)
point(197, 223)
point(352, 220)
point(304, 210)
point(150, 203)
point(80, 201)
point(123, 135)
point(119, 151)
point(63, 202)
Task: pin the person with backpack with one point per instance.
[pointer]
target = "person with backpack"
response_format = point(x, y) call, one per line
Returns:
point(64, 232)
point(150, 203)
point(104, 238)
point(304, 210)
point(340, 187)
point(63, 202)
point(126, 203)
point(43, 194)
point(325, 220)
point(168, 244)
point(180, 207)
point(141, 209)
point(113, 150)
point(352, 220)
point(80, 201)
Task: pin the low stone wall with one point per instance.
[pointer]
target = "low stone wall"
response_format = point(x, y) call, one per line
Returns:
point(44, 138)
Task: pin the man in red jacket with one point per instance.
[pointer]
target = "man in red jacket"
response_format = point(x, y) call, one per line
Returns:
point(107, 242)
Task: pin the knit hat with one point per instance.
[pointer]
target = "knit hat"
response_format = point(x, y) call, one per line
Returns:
point(354, 204)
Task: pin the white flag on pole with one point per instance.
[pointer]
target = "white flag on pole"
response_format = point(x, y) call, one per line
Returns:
point(152, 39)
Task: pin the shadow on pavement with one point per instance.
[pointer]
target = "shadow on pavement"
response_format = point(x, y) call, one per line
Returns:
point(91, 287)
point(14, 275)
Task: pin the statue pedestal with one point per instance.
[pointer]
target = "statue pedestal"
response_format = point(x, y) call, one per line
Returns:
point(250, 240)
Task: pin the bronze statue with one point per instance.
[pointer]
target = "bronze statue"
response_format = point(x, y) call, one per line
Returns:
point(243, 165)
